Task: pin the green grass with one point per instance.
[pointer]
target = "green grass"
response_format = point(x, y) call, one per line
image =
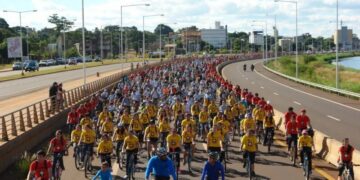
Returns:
point(70, 68)
point(318, 69)
point(5, 66)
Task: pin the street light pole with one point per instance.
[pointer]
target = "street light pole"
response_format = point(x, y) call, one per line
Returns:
point(160, 44)
point(121, 25)
point(21, 36)
point(83, 40)
point(296, 38)
point(143, 49)
point(337, 45)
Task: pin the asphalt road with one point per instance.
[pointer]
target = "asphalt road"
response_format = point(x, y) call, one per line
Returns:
point(273, 165)
point(10, 73)
point(336, 116)
point(13, 88)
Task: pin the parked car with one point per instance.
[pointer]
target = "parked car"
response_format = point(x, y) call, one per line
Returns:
point(72, 61)
point(88, 59)
point(51, 62)
point(79, 59)
point(97, 59)
point(17, 66)
point(43, 63)
point(32, 66)
point(60, 61)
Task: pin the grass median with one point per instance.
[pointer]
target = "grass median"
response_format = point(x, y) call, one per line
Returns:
point(318, 69)
point(70, 68)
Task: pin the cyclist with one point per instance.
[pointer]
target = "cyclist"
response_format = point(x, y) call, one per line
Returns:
point(212, 109)
point(303, 121)
point(105, 149)
point(161, 166)
point(306, 143)
point(40, 168)
point(252, 67)
point(151, 136)
point(145, 118)
point(247, 124)
point(75, 136)
point(164, 128)
point(259, 115)
point(87, 140)
point(345, 158)
point(214, 141)
point(72, 118)
point(174, 145)
point(118, 137)
point(292, 134)
point(107, 127)
point(213, 168)
point(203, 120)
point(249, 146)
point(104, 173)
point(268, 108)
point(188, 141)
point(86, 120)
point(289, 114)
point(57, 147)
point(188, 121)
point(125, 119)
point(269, 126)
point(131, 145)
point(244, 67)
point(137, 127)
point(102, 117)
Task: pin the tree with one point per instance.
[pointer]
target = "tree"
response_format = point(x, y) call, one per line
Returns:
point(61, 23)
point(3, 23)
point(165, 30)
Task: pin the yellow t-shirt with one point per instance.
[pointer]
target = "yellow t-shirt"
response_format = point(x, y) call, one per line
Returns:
point(235, 111)
point(105, 147)
point(195, 109)
point(108, 127)
point(174, 141)
point(259, 115)
point(242, 108)
point(132, 142)
point(164, 126)
point(203, 117)
point(249, 143)
point(75, 135)
point(187, 137)
point(177, 107)
point(151, 109)
point(269, 122)
point(214, 139)
point(225, 126)
point(144, 118)
point(229, 115)
point(120, 136)
point(88, 136)
point(305, 141)
point(152, 132)
point(103, 116)
point(212, 109)
point(125, 119)
point(230, 101)
point(136, 125)
point(217, 119)
point(185, 123)
point(247, 124)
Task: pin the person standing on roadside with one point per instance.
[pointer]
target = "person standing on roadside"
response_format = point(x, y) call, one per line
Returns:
point(52, 95)
point(60, 96)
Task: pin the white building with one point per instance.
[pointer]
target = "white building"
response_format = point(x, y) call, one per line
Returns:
point(285, 44)
point(256, 37)
point(216, 37)
point(344, 37)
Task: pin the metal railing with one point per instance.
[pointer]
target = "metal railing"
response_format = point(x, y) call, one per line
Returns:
point(17, 122)
point(315, 85)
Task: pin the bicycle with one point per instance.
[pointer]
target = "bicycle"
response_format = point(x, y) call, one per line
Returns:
point(346, 175)
point(77, 156)
point(306, 167)
point(249, 168)
point(87, 163)
point(189, 158)
point(270, 139)
point(131, 167)
point(58, 169)
point(293, 153)
point(106, 158)
point(175, 163)
point(260, 134)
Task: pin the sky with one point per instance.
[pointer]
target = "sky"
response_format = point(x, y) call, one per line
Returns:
point(314, 16)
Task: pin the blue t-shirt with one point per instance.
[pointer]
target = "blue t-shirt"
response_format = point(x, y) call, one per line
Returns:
point(212, 172)
point(160, 167)
point(103, 175)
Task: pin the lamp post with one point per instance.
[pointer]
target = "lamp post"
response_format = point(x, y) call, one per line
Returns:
point(21, 53)
point(337, 45)
point(296, 43)
point(143, 45)
point(83, 40)
point(121, 26)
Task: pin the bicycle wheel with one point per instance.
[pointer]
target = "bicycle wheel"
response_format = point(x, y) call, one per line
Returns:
point(133, 167)
point(269, 139)
point(189, 158)
point(306, 168)
point(76, 159)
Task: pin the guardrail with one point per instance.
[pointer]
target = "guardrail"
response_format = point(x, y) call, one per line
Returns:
point(15, 123)
point(315, 85)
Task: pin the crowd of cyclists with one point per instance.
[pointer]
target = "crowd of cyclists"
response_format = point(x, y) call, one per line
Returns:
point(163, 112)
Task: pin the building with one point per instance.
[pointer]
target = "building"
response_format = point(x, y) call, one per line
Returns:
point(344, 37)
point(286, 43)
point(216, 37)
point(190, 39)
point(256, 38)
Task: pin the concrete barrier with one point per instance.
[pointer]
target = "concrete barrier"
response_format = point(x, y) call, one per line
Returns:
point(326, 147)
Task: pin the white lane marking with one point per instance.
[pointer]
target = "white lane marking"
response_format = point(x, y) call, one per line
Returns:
point(343, 105)
point(297, 103)
point(252, 82)
point(275, 93)
point(262, 87)
point(246, 78)
point(334, 118)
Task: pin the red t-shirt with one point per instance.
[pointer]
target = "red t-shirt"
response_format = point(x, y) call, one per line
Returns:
point(72, 118)
point(302, 121)
point(291, 128)
point(255, 100)
point(58, 146)
point(268, 108)
point(262, 103)
point(81, 111)
point(346, 153)
point(288, 116)
point(39, 167)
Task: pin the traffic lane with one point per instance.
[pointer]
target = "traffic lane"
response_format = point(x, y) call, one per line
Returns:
point(11, 72)
point(22, 86)
point(273, 165)
point(322, 113)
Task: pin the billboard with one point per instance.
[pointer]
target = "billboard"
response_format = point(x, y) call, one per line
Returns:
point(14, 47)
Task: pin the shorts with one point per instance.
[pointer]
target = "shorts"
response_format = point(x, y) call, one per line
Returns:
point(251, 156)
point(177, 149)
point(214, 149)
point(139, 135)
point(187, 146)
point(153, 140)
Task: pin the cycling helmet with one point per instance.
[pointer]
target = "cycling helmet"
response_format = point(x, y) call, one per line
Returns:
point(161, 151)
point(304, 132)
point(214, 155)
